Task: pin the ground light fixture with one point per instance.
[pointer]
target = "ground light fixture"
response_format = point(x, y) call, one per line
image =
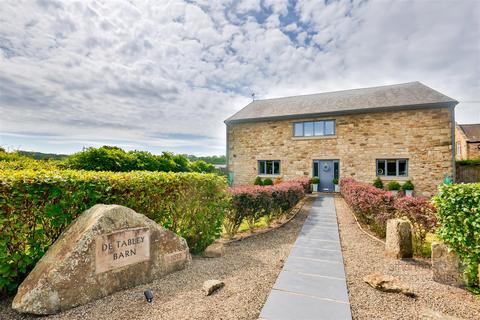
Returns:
point(148, 295)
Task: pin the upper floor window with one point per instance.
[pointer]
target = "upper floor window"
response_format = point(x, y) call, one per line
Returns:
point(392, 167)
point(314, 128)
point(269, 167)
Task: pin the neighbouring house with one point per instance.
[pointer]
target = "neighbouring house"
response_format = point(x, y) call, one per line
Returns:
point(467, 141)
point(397, 132)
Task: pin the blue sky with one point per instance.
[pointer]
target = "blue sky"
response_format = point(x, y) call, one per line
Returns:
point(163, 75)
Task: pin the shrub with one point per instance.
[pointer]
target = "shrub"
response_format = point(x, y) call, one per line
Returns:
point(250, 203)
point(335, 181)
point(305, 182)
point(36, 206)
point(315, 180)
point(377, 183)
point(408, 185)
point(372, 205)
point(110, 158)
point(421, 214)
point(268, 182)
point(458, 211)
point(258, 181)
point(393, 186)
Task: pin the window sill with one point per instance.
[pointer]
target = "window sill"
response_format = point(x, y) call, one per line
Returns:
point(394, 178)
point(269, 175)
point(315, 137)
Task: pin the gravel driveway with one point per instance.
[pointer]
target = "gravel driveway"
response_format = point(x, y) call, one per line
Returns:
point(249, 269)
point(363, 255)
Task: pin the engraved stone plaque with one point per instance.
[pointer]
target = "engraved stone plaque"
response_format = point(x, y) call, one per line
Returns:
point(121, 248)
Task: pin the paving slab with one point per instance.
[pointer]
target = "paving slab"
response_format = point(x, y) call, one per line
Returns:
point(312, 282)
point(287, 306)
point(315, 267)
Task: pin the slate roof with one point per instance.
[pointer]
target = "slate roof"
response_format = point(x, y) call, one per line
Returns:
point(471, 131)
point(392, 97)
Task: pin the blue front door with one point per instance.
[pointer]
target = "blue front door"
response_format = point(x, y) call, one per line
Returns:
point(326, 175)
point(326, 170)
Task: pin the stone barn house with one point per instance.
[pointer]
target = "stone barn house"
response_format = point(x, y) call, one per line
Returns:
point(397, 132)
point(467, 138)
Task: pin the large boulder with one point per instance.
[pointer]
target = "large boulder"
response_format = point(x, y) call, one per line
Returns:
point(399, 241)
point(106, 249)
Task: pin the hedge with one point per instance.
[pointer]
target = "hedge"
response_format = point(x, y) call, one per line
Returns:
point(250, 203)
point(458, 210)
point(375, 206)
point(36, 206)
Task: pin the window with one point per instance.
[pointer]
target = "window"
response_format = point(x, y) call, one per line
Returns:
point(392, 167)
point(459, 148)
point(269, 167)
point(315, 128)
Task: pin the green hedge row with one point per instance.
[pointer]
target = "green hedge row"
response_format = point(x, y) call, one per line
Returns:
point(458, 210)
point(37, 205)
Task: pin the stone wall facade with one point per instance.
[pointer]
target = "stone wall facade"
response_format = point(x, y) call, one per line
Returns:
point(463, 149)
point(423, 136)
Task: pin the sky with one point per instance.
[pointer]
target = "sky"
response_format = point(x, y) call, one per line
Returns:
point(163, 75)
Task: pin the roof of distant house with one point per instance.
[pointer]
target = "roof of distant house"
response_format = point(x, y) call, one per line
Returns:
point(384, 98)
point(471, 131)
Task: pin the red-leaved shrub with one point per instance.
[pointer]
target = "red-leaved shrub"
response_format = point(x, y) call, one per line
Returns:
point(372, 205)
point(250, 203)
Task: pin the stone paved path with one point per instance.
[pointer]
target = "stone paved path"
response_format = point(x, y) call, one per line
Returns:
point(312, 283)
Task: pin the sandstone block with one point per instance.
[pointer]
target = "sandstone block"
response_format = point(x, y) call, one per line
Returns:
point(210, 286)
point(215, 250)
point(388, 283)
point(399, 242)
point(106, 249)
point(446, 265)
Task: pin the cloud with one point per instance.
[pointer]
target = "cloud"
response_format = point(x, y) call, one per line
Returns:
point(154, 74)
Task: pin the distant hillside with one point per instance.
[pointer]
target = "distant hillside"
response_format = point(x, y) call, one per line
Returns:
point(42, 156)
point(208, 159)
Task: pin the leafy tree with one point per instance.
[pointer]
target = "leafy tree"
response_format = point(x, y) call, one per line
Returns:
point(202, 166)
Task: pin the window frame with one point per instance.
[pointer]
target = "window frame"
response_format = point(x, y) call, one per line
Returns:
point(265, 173)
point(397, 167)
point(314, 122)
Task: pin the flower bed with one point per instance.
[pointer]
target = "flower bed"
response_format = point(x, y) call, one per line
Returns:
point(251, 203)
point(375, 206)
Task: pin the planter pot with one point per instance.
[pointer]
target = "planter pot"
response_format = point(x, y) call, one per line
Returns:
point(394, 192)
point(314, 187)
point(409, 193)
point(337, 187)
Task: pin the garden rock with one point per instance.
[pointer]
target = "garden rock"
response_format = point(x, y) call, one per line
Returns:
point(210, 286)
point(106, 249)
point(446, 265)
point(388, 283)
point(399, 242)
point(215, 250)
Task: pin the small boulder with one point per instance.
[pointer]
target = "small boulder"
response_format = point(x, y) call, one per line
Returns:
point(210, 286)
point(388, 283)
point(215, 250)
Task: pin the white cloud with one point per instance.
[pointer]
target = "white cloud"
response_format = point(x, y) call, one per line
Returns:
point(154, 74)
